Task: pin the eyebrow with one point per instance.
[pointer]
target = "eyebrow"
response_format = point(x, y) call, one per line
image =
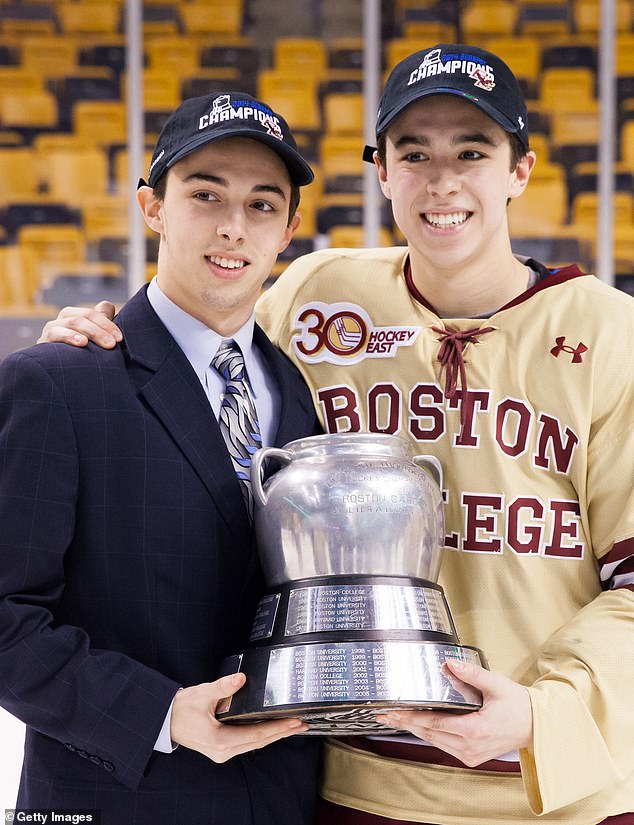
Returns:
point(469, 137)
point(270, 188)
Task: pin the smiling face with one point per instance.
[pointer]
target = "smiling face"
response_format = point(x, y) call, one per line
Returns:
point(223, 221)
point(448, 174)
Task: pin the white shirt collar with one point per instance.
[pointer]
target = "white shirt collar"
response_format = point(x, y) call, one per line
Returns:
point(197, 340)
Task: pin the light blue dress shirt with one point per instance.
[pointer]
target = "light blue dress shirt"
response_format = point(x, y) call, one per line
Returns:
point(200, 344)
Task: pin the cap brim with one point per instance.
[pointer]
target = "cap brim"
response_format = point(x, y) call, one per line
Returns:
point(299, 171)
point(506, 123)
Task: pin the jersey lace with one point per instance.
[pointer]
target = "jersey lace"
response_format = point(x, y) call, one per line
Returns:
point(450, 355)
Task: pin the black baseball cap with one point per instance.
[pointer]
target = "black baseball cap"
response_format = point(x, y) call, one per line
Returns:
point(478, 76)
point(201, 120)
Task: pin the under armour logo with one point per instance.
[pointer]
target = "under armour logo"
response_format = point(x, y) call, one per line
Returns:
point(563, 347)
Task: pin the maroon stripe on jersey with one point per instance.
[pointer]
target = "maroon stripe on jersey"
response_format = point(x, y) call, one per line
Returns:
point(558, 276)
point(425, 753)
point(330, 814)
point(620, 550)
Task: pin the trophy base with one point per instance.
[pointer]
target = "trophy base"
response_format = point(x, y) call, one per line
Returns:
point(339, 688)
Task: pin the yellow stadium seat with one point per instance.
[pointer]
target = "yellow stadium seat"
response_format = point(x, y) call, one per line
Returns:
point(585, 208)
point(540, 144)
point(23, 19)
point(624, 247)
point(74, 175)
point(432, 31)
point(340, 155)
point(343, 114)
point(484, 18)
point(19, 174)
point(546, 170)
point(61, 141)
point(310, 196)
point(53, 243)
point(587, 15)
point(37, 110)
point(627, 144)
point(625, 54)
point(18, 273)
point(17, 80)
point(398, 48)
point(567, 89)
point(49, 56)
point(575, 128)
point(522, 54)
point(105, 216)
point(353, 237)
point(176, 54)
point(122, 180)
point(302, 56)
point(89, 16)
point(542, 207)
point(102, 121)
point(294, 96)
point(161, 90)
point(212, 17)
point(544, 19)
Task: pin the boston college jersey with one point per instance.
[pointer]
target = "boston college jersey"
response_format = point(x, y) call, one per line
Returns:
point(531, 413)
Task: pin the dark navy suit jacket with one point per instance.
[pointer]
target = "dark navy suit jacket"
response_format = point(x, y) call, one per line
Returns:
point(128, 569)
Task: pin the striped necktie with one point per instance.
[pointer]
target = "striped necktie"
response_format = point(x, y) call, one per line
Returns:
point(237, 418)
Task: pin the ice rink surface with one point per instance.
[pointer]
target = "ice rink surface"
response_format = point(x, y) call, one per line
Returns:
point(11, 746)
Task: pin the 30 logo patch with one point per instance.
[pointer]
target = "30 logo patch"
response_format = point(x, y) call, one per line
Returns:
point(343, 333)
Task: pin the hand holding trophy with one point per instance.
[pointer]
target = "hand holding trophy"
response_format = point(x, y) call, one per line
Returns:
point(350, 533)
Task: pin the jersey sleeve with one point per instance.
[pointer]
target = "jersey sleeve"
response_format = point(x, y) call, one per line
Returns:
point(582, 706)
point(582, 700)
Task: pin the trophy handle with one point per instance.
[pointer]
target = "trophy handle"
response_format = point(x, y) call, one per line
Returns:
point(283, 456)
point(432, 465)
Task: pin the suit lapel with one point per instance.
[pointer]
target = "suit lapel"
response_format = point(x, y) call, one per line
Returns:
point(164, 378)
point(296, 409)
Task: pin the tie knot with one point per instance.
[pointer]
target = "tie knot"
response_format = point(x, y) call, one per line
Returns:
point(229, 361)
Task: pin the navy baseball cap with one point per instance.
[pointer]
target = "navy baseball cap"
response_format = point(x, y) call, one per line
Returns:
point(478, 76)
point(201, 120)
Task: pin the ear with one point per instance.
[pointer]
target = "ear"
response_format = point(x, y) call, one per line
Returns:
point(290, 230)
point(382, 173)
point(150, 207)
point(521, 175)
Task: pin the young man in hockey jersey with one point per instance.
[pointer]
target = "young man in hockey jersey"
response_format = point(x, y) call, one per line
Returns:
point(510, 374)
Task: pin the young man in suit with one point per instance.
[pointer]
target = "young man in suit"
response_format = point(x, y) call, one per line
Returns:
point(128, 568)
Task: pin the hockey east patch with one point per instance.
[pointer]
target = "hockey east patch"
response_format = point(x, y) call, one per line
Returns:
point(343, 333)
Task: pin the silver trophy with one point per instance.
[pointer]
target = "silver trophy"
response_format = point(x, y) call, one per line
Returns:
point(350, 531)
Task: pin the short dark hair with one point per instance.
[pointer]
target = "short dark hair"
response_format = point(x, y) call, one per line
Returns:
point(161, 185)
point(517, 149)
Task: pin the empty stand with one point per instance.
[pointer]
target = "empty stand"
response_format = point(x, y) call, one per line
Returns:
point(485, 18)
point(89, 17)
point(74, 175)
point(173, 53)
point(216, 18)
point(19, 174)
point(27, 18)
point(343, 114)
point(523, 55)
point(29, 112)
point(101, 121)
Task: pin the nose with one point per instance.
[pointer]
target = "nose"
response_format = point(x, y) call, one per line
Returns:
point(443, 181)
point(231, 225)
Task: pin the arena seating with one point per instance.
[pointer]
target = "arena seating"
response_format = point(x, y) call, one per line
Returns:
point(63, 158)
